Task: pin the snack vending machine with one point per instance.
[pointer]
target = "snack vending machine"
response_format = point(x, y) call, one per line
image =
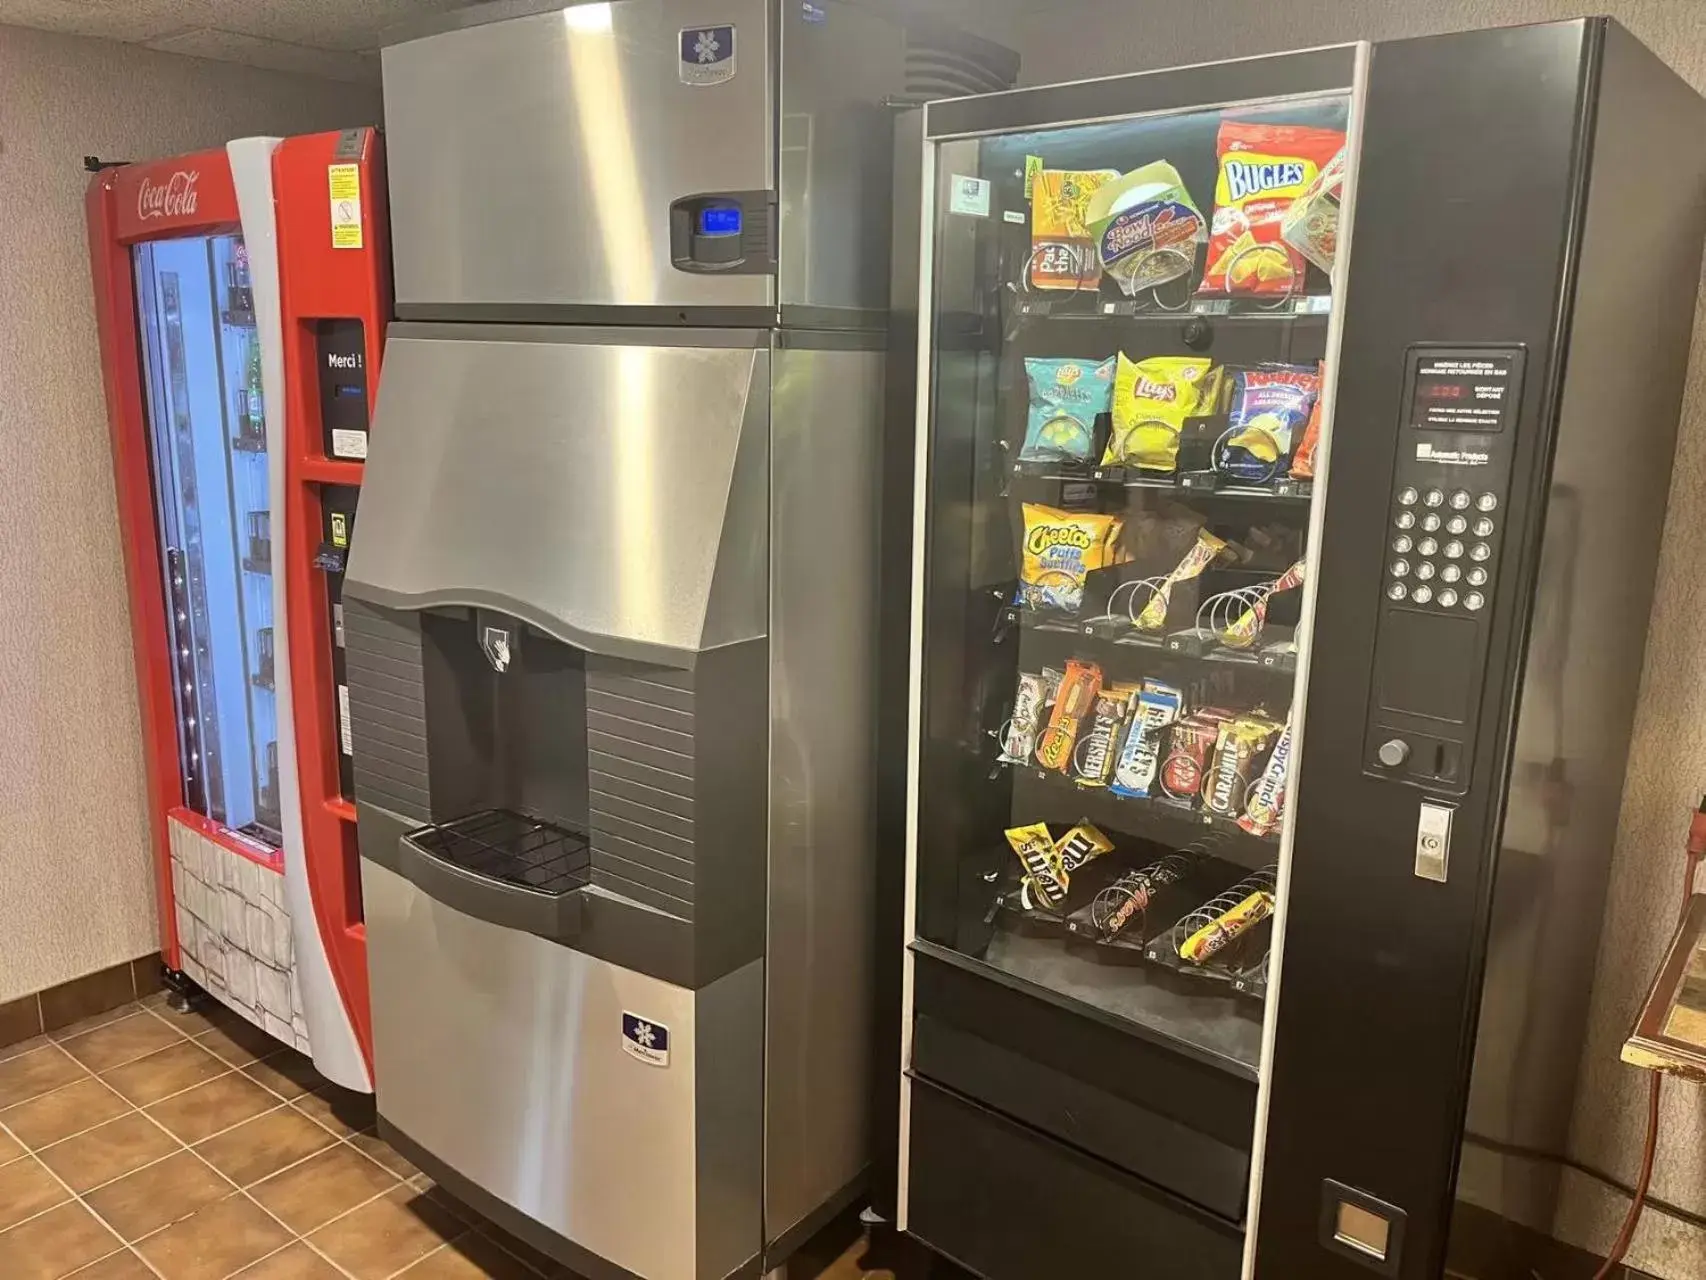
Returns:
point(241, 295)
point(1294, 439)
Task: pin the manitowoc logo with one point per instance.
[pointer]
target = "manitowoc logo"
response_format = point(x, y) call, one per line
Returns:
point(174, 200)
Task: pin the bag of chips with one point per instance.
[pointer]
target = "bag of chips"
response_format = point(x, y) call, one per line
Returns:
point(1146, 228)
point(1303, 461)
point(1264, 169)
point(1152, 399)
point(1063, 256)
point(1269, 405)
point(1061, 547)
point(1066, 396)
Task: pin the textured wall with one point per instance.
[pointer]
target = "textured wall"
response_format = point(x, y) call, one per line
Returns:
point(1668, 758)
point(76, 884)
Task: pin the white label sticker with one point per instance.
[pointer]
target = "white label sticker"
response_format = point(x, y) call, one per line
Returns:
point(344, 181)
point(344, 739)
point(349, 444)
point(644, 1039)
point(969, 196)
point(1463, 457)
point(1015, 216)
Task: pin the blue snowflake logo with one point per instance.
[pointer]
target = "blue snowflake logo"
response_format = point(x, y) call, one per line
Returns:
point(706, 47)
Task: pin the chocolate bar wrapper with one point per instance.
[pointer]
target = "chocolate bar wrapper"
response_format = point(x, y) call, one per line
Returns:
point(1093, 758)
point(1136, 891)
point(1266, 803)
point(1157, 707)
point(1043, 871)
point(1029, 706)
point(1081, 844)
point(1238, 747)
point(1198, 558)
point(1189, 747)
point(1245, 631)
point(1072, 707)
point(1214, 937)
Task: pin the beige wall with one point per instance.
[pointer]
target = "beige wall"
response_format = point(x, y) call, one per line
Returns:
point(1668, 759)
point(76, 886)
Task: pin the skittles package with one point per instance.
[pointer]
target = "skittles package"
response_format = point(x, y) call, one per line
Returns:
point(1066, 397)
point(1060, 549)
point(1152, 399)
point(1264, 170)
point(1146, 228)
point(1063, 256)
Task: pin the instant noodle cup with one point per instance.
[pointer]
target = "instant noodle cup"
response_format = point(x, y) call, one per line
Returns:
point(1146, 228)
point(1152, 399)
point(1060, 549)
point(1063, 256)
point(1264, 170)
point(1066, 397)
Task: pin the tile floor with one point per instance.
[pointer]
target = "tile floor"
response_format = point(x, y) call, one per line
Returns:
point(146, 1143)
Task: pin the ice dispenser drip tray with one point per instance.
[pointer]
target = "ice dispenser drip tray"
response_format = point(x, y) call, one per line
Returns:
point(504, 867)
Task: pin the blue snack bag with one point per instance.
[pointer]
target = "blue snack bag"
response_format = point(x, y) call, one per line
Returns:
point(1066, 396)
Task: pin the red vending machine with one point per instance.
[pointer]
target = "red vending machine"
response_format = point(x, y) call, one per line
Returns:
point(242, 296)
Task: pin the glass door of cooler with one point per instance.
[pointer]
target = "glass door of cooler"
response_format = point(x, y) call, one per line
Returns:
point(1131, 322)
point(201, 359)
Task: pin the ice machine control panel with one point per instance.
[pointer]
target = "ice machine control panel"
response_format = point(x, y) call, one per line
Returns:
point(1444, 536)
point(723, 231)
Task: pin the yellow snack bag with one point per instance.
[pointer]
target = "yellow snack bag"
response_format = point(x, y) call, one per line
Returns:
point(1063, 256)
point(1044, 873)
point(1152, 399)
point(1061, 547)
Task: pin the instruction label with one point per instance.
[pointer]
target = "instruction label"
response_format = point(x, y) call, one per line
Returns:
point(344, 181)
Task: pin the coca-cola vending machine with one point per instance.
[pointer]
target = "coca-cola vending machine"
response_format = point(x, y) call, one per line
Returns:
point(242, 295)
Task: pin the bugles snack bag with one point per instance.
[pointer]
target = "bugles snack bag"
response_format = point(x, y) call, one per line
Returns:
point(1264, 169)
point(1061, 547)
point(1072, 706)
point(1066, 396)
point(1063, 256)
point(1198, 558)
point(1152, 399)
point(1146, 228)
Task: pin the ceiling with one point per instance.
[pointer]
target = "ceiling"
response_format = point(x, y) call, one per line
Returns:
point(335, 39)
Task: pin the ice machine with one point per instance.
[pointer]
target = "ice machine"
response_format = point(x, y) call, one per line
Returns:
point(609, 616)
point(1293, 445)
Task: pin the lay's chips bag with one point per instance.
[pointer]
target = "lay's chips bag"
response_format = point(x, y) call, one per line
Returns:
point(1152, 399)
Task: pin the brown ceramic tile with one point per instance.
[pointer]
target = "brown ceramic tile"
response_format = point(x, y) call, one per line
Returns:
point(123, 1265)
point(18, 1050)
point(119, 1042)
point(383, 1237)
point(54, 1244)
point(142, 1202)
point(159, 1075)
point(40, 1071)
point(340, 1110)
point(210, 1108)
point(374, 1147)
point(148, 974)
point(114, 1149)
point(239, 1043)
point(287, 1073)
point(264, 1145)
point(9, 1148)
point(298, 1262)
point(25, 1190)
point(42, 1121)
point(95, 1021)
point(92, 993)
point(471, 1257)
point(20, 1019)
point(212, 1243)
point(311, 1194)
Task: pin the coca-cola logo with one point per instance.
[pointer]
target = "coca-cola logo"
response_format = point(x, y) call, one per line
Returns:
point(176, 199)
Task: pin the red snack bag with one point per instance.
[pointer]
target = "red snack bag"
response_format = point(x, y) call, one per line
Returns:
point(1303, 461)
point(1264, 168)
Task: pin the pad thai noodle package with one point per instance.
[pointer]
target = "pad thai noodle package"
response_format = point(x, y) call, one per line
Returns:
point(1264, 170)
point(1146, 228)
point(1311, 225)
point(1060, 549)
point(1152, 399)
point(1066, 397)
point(1063, 256)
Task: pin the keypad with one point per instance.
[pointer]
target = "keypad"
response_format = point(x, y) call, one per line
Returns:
point(1406, 520)
point(1430, 522)
point(1457, 524)
point(1454, 550)
point(1427, 547)
point(1460, 500)
point(1402, 543)
point(1433, 498)
point(1425, 570)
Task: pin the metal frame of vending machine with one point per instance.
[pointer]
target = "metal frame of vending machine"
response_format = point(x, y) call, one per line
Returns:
point(216, 475)
point(1259, 818)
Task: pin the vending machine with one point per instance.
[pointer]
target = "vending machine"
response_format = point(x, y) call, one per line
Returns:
point(1294, 437)
point(241, 296)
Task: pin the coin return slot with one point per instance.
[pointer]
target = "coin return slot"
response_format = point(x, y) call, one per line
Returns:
point(1362, 1227)
point(1364, 1231)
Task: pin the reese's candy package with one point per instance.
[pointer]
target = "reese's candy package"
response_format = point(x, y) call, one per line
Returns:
point(1146, 228)
point(1152, 399)
point(1199, 557)
point(1061, 547)
point(1063, 256)
point(1066, 396)
point(1266, 803)
point(1219, 933)
point(1264, 169)
point(1081, 844)
point(1269, 405)
point(1073, 705)
point(1093, 758)
point(1157, 707)
point(1044, 875)
point(1311, 225)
